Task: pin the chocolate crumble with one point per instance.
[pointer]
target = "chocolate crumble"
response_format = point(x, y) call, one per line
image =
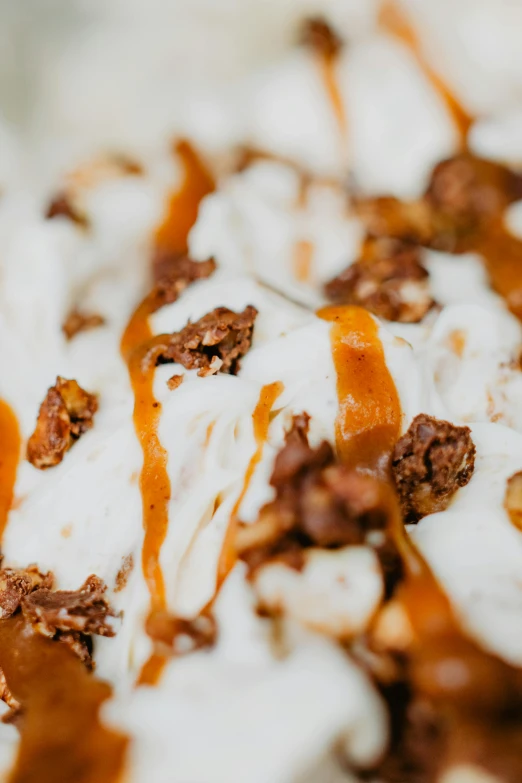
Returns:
point(122, 577)
point(77, 322)
point(389, 280)
point(65, 414)
point(175, 381)
point(15, 583)
point(213, 344)
point(318, 503)
point(84, 611)
point(431, 461)
point(174, 272)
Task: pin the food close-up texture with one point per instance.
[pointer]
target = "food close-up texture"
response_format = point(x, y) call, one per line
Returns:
point(261, 391)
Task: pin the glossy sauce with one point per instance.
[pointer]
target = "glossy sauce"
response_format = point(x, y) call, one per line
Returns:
point(502, 254)
point(62, 737)
point(261, 423)
point(394, 21)
point(327, 63)
point(369, 419)
point(171, 237)
point(10, 445)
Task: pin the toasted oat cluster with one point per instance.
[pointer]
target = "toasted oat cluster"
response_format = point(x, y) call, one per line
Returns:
point(65, 414)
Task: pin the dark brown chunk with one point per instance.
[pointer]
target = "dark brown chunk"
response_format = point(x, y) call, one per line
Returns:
point(178, 636)
point(122, 577)
point(386, 216)
point(464, 194)
point(85, 610)
point(431, 461)
point(318, 503)
point(77, 322)
point(213, 344)
point(65, 414)
point(62, 206)
point(389, 280)
point(175, 381)
point(319, 36)
point(174, 272)
point(79, 644)
point(15, 583)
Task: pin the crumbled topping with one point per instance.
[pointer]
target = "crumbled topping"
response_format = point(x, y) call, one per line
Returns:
point(318, 503)
point(63, 206)
point(77, 322)
point(174, 272)
point(122, 577)
point(65, 414)
point(389, 280)
point(388, 217)
point(174, 381)
point(431, 461)
point(213, 344)
point(513, 499)
point(85, 610)
point(79, 644)
point(15, 583)
point(319, 36)
point(179, 636)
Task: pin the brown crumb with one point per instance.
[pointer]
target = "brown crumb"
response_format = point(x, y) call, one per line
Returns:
point(431, 461)
point(389, 280)
point(318, 503)
point(178, 636)
point(122, 577)
point(174, 272)
point(320, 37)
point(213, 344)
point(79, 644)
point(62, 206)
point(85, 610)
point(175, 381)
point(65, 414)
point(15, 583)
point(386, 216)
point(77, 322)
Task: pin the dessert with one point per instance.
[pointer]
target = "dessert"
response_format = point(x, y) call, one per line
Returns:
point(265, 525)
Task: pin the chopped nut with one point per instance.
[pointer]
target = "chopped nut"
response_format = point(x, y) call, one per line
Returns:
point(15, 583)
point(123, 574)
point(431, 461)
point(65, 414)
point(214, 343)
point(389, 280)
point(513, 499)
point(174, 272)
point(175, 381)
point(318, 503)
point(77, 322)
point(85, 610)
point(319, 36)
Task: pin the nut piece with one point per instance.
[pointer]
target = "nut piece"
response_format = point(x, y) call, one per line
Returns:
point(213, 344)
point(389, 280)
point(318, 503)
point(174, 272)
point(77, 322)
point(431, 461)
point(513, 499)
point(15, 583)
point(65, 414)
point(85, 610)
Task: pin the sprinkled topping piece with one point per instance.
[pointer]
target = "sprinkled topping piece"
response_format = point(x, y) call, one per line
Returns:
point(174, 272)
point(15, 583)
point(213, 344)
point(389, 280)
point(65, 414)
point(83, 611)
point(77, 322)
point(431, 461)
point(317, 503)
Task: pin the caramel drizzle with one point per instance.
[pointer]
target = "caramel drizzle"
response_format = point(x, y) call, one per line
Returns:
point(302, 260)
point(10, 444)
point(394, 21)
point(327, 64)
point(260, 423)
point(171, 237)
point(62, 737)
